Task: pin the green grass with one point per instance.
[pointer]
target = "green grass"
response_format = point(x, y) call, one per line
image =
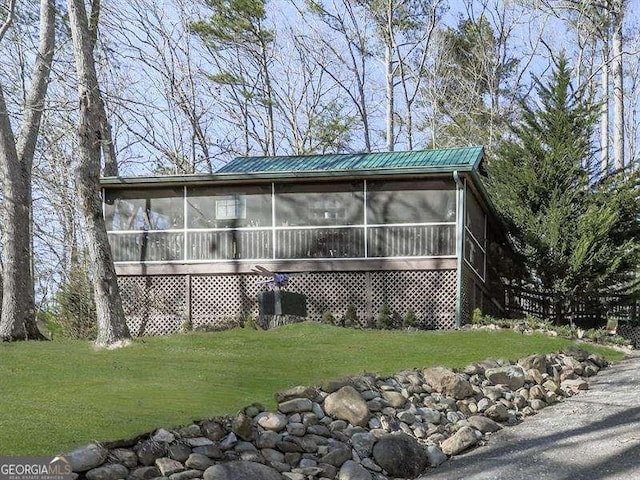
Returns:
point(58, 395)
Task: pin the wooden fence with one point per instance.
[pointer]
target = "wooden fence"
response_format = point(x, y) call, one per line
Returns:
point(590, 313)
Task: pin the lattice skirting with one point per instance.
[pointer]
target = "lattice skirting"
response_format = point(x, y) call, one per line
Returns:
point(629, 332)
point(164, 304)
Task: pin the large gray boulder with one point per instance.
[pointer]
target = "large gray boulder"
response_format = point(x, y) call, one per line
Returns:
point(435, 456)
point(347, 404)
point(463, 439)
point(353, 471)
point(436, 377)
point(168, 467)
point(144, 473)
point(86, 457)
point(272, 421)
point(124, 457)
point(197, 461)
point(186, 475)
point(458, 387)
point(363, 443)
point(337, 456)
point(243, 427)
point(241, 471)
point(443, 380)
point(534, 362)
point(299, 391)
point(113, 471)
point(149, 451)
point(512, 376)
point(395, 399)
point(484, 424)
point(400, 455)
point(296, 405)
point(497, 412)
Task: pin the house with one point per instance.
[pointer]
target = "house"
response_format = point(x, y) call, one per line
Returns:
point(414, 230)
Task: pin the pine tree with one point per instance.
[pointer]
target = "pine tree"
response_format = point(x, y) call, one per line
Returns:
point(578, 237)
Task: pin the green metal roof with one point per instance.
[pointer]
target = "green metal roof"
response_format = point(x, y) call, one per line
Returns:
point(465, 159)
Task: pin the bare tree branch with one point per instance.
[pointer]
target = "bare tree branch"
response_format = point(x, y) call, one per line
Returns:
point(7, 23)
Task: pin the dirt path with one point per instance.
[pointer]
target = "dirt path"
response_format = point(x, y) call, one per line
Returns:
point(591, 436)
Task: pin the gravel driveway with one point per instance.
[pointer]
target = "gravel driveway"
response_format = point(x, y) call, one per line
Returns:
point(591, 436)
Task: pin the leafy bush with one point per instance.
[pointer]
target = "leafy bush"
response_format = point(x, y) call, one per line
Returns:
point(384, 320)
point(350, 318)
point(617, 340)
point(599, 335)
point(564, 331)
point(535, 323)
point(187, 326)
point(250, 323)
point(77, 308)
point(411, 319)
point(49, 322)
point(328, 318)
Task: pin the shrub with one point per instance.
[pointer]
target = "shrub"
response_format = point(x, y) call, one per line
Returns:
point(350, 318)
point(187, 326)
point(49, 322)
point(565, 331)
point(477, 318)
point(77, 308)
point(411, 319)
point(618, 340)
point(384, 320)
point(535, 323)
point(328, 318)
point(250, 323)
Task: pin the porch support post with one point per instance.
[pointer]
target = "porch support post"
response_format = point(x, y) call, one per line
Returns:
point(460, 215)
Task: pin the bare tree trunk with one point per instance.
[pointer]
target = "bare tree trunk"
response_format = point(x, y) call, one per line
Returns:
point(110, 168)
point(108, 150)
point(17, 299)
point(17, 320)
point(388, 60)
point(112, 327)
point(271, 128)
point(618, 91)
point(604, 112)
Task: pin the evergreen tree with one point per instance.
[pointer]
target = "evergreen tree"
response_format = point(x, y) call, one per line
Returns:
point(578, 237)
point(240, 45)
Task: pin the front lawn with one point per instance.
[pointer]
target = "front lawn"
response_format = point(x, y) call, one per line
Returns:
point(58, 395)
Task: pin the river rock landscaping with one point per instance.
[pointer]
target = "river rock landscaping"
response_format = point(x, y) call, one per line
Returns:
point(360, 428)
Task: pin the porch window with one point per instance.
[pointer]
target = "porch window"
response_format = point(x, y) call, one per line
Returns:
point(336, 204)
point(156, 210)
point(319, 220)
point(229, 207)
point(145, 226)
point(405, 219)
point(475, 235)
point(229, 223)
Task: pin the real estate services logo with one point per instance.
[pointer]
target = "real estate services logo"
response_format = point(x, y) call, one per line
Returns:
point(35, 468)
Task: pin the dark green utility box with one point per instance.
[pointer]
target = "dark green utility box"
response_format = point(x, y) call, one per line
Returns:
point(277, 302)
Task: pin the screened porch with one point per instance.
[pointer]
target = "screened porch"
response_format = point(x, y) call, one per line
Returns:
point(283, 221)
